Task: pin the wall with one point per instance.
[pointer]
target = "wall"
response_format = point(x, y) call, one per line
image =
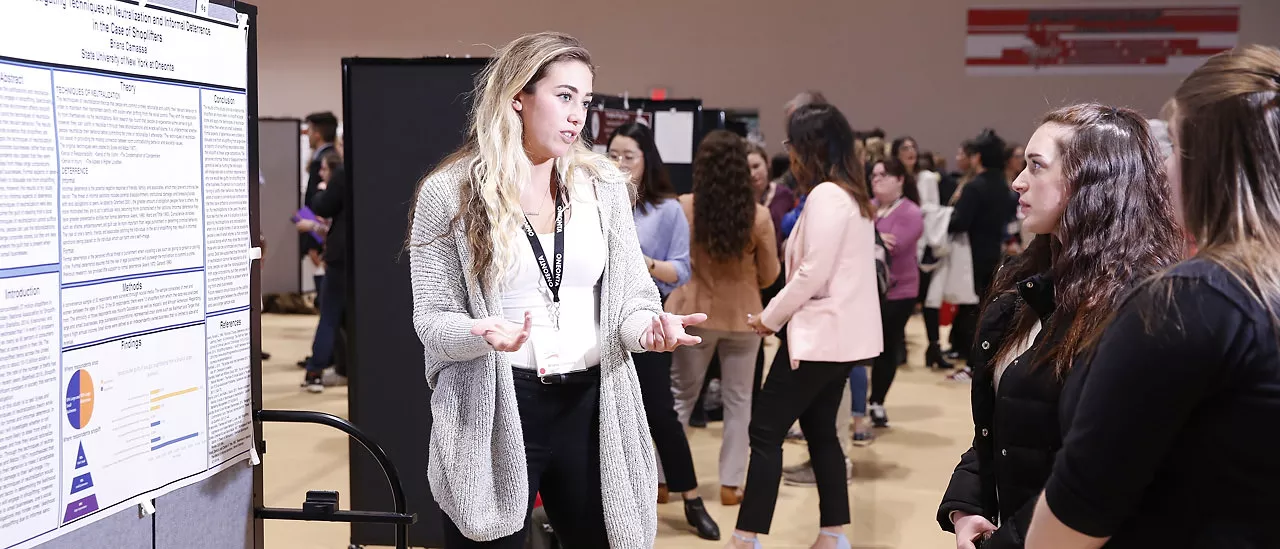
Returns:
point(895, 64)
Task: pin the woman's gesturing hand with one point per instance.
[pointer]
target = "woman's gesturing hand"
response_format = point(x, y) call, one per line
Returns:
point(666, 332)
point(757, 325)
point(502, 334)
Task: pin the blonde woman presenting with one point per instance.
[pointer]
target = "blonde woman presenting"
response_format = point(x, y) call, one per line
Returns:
point(530, 292)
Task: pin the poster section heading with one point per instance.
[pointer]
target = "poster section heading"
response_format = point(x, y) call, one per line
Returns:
point(116, 36)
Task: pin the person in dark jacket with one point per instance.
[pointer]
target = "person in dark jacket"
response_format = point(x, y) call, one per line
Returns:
point(983, 212)
point(1173, 440)
point(1092, 171)
point(328, 203)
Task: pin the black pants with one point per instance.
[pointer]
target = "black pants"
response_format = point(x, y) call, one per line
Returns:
point(562, 449)
point(893, 317)
point(931, 327)
point(812, 394)
point(654, 371)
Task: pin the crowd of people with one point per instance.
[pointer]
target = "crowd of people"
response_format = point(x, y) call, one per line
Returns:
point(1115, 284)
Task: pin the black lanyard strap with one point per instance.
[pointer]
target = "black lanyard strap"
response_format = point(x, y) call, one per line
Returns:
point(552, 270)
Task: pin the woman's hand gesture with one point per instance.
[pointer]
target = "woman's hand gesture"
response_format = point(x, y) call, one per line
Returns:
point(666, 332)
point(502, 334)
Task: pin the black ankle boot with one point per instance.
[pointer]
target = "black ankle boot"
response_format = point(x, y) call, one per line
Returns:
point(933, 358)
point(696, 513)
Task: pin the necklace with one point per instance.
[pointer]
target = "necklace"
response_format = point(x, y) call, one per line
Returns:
point(542, 203)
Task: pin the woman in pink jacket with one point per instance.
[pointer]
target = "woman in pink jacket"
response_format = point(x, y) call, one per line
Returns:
point(831, 307)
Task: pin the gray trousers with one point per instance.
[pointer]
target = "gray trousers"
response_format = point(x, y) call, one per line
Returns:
point(689, 364)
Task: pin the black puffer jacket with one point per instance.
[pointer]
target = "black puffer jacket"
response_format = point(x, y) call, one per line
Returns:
point(1016, 429)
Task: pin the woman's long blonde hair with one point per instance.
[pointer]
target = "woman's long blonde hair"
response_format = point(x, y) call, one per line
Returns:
point(494, 151)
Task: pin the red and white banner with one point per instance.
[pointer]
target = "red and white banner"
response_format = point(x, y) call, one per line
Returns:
point(1070, 41)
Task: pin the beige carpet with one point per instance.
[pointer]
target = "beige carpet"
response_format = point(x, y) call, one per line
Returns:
point(899, 479)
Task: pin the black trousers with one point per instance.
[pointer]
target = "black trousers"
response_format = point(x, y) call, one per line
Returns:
point(931, 327)
point(810, 393)
point(893, 317)
point(654, 372)
point(562, 449)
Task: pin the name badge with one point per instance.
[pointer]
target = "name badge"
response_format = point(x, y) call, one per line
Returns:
point(548, 352)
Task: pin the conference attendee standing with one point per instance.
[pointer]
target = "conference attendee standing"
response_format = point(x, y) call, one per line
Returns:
point(322, 131)
point(529, 358)
point(830, 306)
point(330, 203)
point(1172, 441)
point(734, 255)
point(900, 224)
point(983, 212)
point(770, 193)
point(1092, 172)
point(664, 240)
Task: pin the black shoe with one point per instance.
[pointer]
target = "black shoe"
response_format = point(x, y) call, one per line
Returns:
point(313, 383)
point(879, 418)
point(696, 513)
point(303, 363)
point(266, 355)
point(933, 358)
point(698, 418)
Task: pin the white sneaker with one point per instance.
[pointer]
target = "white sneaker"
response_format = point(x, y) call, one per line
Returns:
point(331, 378)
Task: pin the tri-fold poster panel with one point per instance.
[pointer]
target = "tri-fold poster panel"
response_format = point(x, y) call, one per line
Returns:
point(125, 256)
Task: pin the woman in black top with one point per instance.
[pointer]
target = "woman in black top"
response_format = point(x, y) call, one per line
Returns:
point(1175, 438)
point(983, 212)
point(1091, 170)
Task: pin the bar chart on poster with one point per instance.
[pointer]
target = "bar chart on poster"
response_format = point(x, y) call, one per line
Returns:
point(124, 258)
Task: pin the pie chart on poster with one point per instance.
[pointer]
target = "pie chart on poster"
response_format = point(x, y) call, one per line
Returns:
point(80, 399)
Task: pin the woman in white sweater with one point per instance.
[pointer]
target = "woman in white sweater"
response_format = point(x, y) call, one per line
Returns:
point(530, 292)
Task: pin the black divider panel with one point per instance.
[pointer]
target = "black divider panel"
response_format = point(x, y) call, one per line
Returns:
point(400, 118)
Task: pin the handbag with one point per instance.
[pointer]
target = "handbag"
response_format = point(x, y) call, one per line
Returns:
point(882, 266)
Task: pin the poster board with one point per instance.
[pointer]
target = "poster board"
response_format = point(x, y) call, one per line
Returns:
point(677, 127)
point(127, 300)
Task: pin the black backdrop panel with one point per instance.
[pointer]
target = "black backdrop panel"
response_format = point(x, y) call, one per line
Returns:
point(681, 174)
point(400, 118)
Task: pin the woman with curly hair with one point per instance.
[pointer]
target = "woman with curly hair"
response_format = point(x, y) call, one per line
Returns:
point(734, 255)
point(1095, 195)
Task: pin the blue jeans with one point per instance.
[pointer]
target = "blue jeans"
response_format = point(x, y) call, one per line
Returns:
point(333, 302)
point(858, 385)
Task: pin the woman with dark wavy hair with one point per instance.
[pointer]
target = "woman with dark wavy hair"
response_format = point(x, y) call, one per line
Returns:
point(734, 255)
point(1095, 195)
point(1173, 439)
point(831, 309)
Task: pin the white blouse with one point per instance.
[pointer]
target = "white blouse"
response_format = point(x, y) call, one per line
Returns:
point(526, 288)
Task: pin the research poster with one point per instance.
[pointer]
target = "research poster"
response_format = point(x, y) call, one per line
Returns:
point(124, 257)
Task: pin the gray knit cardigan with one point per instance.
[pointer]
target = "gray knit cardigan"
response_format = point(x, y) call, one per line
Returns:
point(477, 465)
